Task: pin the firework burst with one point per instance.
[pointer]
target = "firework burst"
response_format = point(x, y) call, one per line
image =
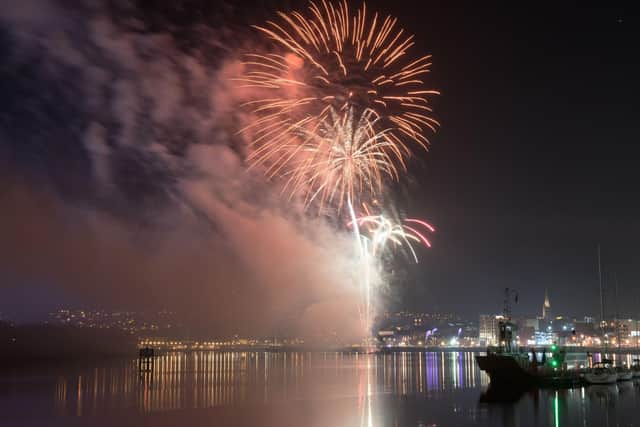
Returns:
point(341, 157)
point(333, 61)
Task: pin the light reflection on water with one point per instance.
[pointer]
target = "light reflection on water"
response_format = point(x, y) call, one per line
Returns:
point(302, 389)
point(209, 379)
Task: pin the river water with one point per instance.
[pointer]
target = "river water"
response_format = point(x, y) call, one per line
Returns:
point(299, 389)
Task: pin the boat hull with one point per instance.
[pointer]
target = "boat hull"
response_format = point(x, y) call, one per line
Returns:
point(608, 378)
point(505, 370)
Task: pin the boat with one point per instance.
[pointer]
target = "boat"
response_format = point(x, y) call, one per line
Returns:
point(517, 371)
point(623, 373)
point(514, 368)
point(601, 373)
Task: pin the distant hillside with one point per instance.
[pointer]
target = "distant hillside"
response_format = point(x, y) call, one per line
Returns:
point(44, 342)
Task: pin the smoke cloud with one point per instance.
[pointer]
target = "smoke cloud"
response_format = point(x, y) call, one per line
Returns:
point(125, 184)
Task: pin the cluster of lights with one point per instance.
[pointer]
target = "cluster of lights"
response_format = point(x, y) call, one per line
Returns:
point(131, 322)
point(211, 345)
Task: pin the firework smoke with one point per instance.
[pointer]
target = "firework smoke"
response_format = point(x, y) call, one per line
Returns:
point(144, 201)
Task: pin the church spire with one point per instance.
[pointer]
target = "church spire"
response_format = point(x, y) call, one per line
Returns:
point(546, 307)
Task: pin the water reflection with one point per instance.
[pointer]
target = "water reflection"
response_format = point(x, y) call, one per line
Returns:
point(394, 389)
point(209, 379)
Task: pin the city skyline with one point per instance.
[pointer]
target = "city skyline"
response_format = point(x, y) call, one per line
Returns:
point(521, 308)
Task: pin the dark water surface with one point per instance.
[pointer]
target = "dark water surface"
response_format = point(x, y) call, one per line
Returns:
point(299, 389)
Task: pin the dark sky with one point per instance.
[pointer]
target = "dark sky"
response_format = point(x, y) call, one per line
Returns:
point(535, 163)
point(536, 160)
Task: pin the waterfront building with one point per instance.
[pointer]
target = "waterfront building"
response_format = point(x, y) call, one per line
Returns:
point(545, 338)
point(489, 329)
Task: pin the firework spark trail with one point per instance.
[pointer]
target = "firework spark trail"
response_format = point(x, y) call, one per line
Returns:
point(336, 60)
point(365, 284)
point(381, 232)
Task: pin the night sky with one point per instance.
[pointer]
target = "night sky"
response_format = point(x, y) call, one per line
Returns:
point(534, 166)
point(535, 163)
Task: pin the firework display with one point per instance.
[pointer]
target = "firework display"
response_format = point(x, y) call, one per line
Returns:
point(334, 61)
point(339, 106)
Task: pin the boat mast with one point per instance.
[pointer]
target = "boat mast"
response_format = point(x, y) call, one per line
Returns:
point(637, 335)
point(617, 322)
point(601, 293)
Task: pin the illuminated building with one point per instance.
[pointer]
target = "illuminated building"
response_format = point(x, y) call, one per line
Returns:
point(488, 329)
point(545, 338)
